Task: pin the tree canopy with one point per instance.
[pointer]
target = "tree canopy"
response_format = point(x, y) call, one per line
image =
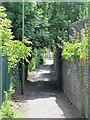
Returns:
point(44, 21)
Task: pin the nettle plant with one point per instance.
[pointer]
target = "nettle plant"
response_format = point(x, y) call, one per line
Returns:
point(14, 49)
point(77, 46)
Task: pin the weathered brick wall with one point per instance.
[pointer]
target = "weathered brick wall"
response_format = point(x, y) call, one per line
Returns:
point(68, 76)
point(77, 26)
point(75, 85)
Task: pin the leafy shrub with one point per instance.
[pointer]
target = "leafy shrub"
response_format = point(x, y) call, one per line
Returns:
point(14, 49)
point(16, 78)
point(7, 109)
point(76, 48)
point(32, 64)
point(38, 57)
point(42, 55)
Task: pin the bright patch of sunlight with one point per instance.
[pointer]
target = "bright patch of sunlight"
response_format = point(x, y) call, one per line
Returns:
point(44, 71)
point(46, 79)
point(49, 62)
point(47, 107)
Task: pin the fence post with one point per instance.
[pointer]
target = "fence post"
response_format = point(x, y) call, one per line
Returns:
point(22, 79)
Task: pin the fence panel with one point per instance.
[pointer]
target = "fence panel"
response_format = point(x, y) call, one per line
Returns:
point(4, 76)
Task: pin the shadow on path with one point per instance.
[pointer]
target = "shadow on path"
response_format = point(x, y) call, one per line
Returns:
point(43, 98)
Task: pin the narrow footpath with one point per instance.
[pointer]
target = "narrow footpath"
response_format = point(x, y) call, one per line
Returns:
point(43, 97)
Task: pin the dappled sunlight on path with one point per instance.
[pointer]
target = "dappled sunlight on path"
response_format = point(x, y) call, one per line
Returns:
point(43, 97)
point(49, 62)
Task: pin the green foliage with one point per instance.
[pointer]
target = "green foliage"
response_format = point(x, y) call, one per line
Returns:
point(44, 21)
point(77, 48)
point(7, 109)
point(42, 55)
point(35, 26)
point(16, 78)
point(15, 50)
point(32, 64)
point(5, 27)
point(38, 57)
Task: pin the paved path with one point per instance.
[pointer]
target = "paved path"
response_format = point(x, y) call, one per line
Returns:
point(43, 98)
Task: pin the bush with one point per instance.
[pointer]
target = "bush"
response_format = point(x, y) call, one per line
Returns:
point(16, 78)
point(42, 55)
point(14, 49)
point(32, 64)
point(76, 48)
point(38, 57)
point(7, 109)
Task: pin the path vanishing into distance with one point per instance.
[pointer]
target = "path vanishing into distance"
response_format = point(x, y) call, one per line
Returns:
point(43, 97)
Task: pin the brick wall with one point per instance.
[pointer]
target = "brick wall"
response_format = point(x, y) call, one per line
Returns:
point(75, 85)
point(68, 76)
